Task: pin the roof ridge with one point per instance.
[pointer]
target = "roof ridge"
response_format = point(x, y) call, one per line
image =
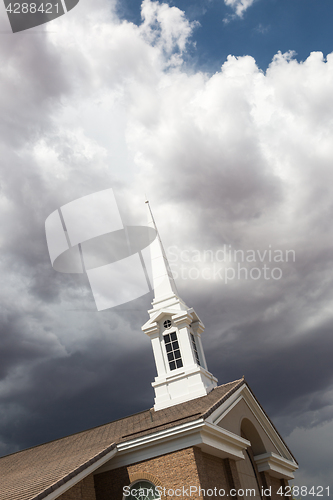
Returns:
point(218, 403)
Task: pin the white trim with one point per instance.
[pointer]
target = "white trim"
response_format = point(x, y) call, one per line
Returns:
point(219, 418)
point(171, 377)
point(219, 413)
point(276, 465)
point(207, 436)
point(156, 316)
point(76, 479)
point(170, 373)
point(243, 393)
point(182, 384)
point(236, 444)
point(186, 428)
point(164, 434)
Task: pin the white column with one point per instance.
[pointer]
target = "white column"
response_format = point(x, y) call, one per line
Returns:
point(185, 346)
point(158, 355)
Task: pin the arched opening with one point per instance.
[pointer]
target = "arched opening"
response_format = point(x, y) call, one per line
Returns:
point(247, 469)
point(249, 432)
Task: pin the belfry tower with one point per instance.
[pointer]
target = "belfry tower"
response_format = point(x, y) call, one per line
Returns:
point(175, 330)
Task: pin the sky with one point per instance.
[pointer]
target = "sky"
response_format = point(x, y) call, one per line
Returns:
point(221, 113)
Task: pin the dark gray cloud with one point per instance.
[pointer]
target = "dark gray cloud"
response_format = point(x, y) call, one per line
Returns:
point(72, 393)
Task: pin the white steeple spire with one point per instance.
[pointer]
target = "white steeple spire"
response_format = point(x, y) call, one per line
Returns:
point(165, 290)
point(175, 331)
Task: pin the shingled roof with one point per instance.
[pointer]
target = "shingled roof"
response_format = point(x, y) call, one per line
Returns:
point(34, 473)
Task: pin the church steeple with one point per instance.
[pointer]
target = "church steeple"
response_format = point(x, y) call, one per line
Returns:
point(175, 331)
point(165, 290)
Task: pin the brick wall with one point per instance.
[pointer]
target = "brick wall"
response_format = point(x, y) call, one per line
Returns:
point(169, 471)
point(217, 473)
point(274, 483)
point(184, 468)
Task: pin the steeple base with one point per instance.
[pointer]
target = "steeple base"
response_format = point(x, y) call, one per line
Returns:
point(182, 386)
point(173, 302)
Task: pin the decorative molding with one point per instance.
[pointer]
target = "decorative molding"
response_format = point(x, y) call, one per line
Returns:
point(198, 327)
point(245, 394)
point(209, 437)
point(276, 466)
point(220, 417)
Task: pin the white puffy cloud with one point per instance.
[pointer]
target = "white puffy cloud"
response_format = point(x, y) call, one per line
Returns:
point(239, 6)
point(165, 26)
